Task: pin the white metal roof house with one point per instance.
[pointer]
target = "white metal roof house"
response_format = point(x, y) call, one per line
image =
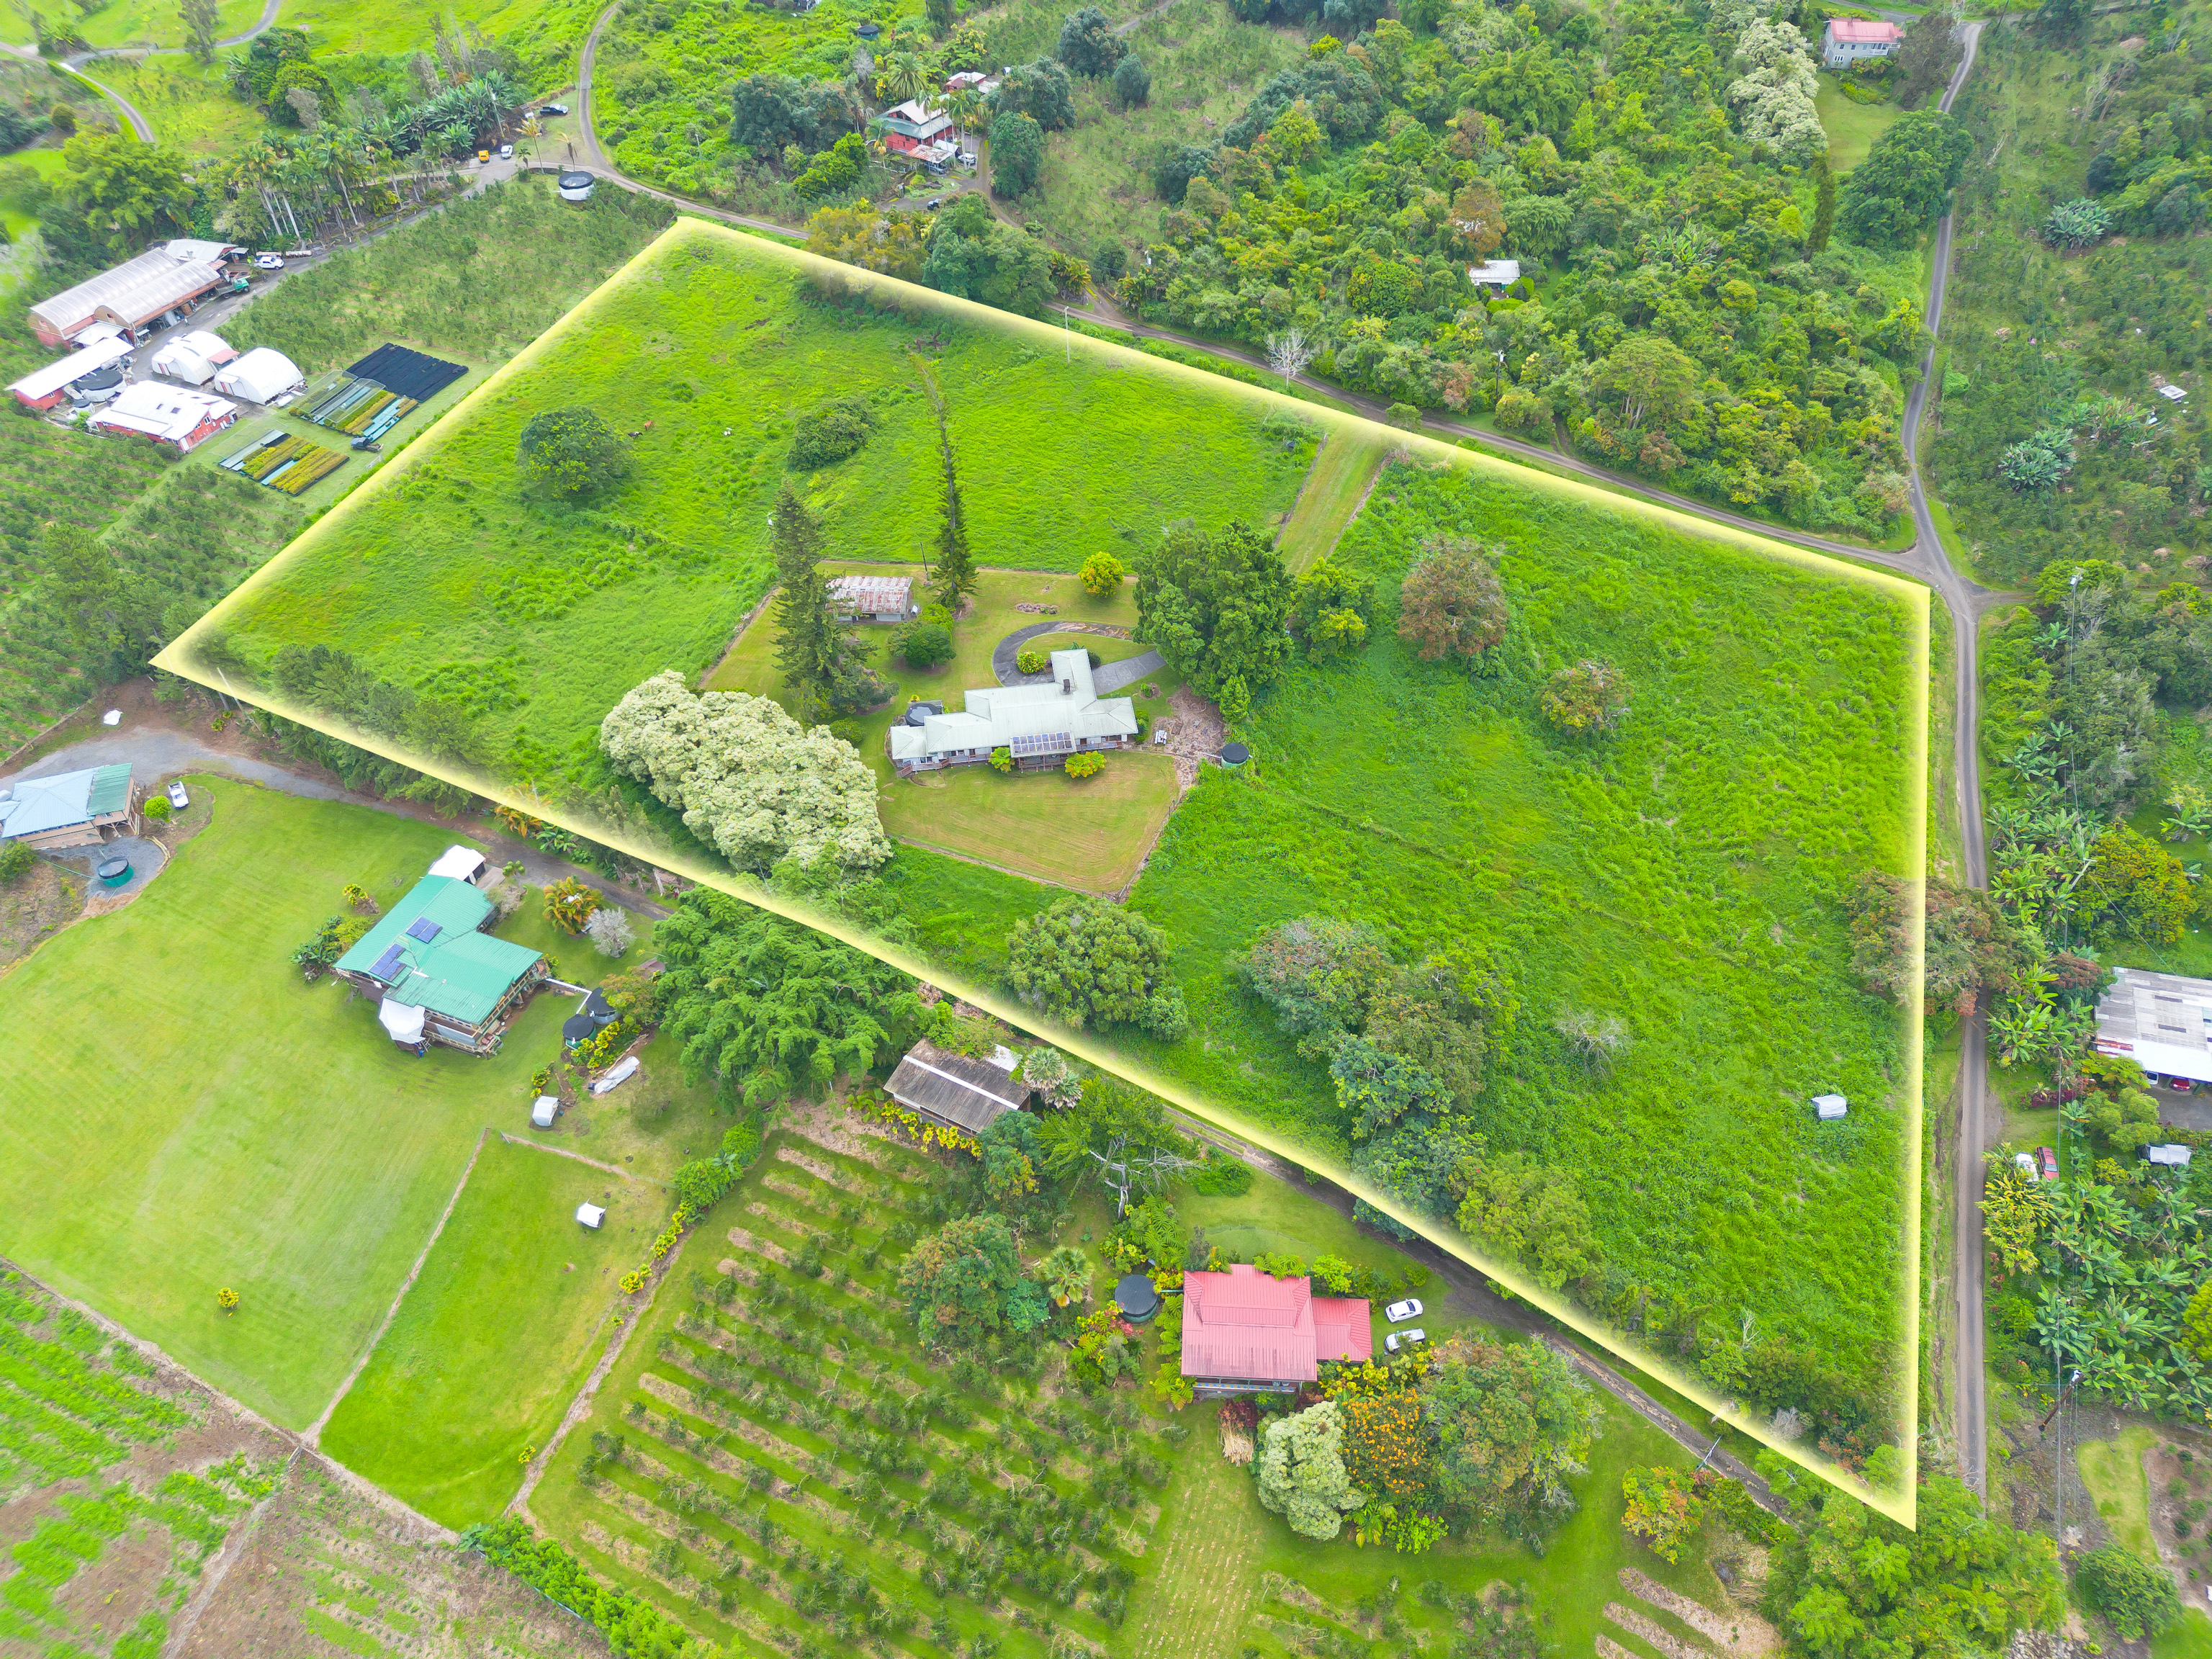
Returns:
point(872, 598)
point(261, 376)
point(1495, 273)
point(2162, 1022)
point(167, 278)
point(193, 357)
point(164, 415)
point(42, 388)
point(1042, 724)
point(461, 863)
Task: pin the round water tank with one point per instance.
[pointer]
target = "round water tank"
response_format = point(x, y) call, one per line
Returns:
point(99, 385)
point(577, 186)
point(1235, 754)
point(114, 873)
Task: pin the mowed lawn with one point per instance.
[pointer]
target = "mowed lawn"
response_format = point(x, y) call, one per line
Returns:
point(1851, 128)
point(179, 1112)
point(496, 1334)
point(1333, 491)
point(1091, 834)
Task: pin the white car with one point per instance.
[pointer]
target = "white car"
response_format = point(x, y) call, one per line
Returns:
point(2026, 1165)
point(269, 262)
point(178, 798)
point(506, 152)
point(1399, 1312)
point(1397, 1341)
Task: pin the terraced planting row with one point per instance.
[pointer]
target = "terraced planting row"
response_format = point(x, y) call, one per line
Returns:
point(776, 1463)
point(74, 1405)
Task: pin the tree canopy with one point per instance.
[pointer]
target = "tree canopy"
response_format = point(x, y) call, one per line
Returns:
point(1215, 605)
point(1900, 188)
point(1087, 962)
point(963, 1281)
point(748, 778)
point(573, 452)
point(766, 1008)
point(1452, 604)
point(1302, 1474)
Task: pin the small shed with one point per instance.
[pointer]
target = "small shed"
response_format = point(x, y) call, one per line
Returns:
point(547, 1109)
point(461, 863)
point(591, 1214)
point(2173, 1157)
point(1136, 1297)
point(1828, 1108)
point(950, 1089)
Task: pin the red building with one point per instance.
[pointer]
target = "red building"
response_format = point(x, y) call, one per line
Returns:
point(1246, 1333)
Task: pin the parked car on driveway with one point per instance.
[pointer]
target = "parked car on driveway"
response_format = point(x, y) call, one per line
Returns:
point(178, 798)
point(1398, 1342)
point(2049, 1159)
point(2028, 1166)
point(506, 152)
point(553, 109)
point(1399, 1312)
point(269, 262)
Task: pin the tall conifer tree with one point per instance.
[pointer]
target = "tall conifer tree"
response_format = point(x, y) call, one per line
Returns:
point(810, 650)
point(954, 575)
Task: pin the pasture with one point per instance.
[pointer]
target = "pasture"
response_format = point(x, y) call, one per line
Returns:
point(493, 1338)
point(231, 1126)
point(707, 348)
point(1344, 471)
point(1088, 834)
point(1851, 128)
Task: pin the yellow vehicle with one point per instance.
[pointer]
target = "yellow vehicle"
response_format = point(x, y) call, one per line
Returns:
point(484, 155)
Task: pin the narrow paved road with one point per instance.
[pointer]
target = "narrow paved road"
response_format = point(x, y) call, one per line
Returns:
point(1966, 602)
point(75, 62)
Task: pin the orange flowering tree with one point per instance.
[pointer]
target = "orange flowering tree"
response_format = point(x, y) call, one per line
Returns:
point(1385, 1450)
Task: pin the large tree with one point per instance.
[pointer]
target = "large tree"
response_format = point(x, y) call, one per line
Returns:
point(768, 1009)
point(1302, 1474)
point(573, 452)
point(1215, 605)
point(1017, 153)
point(972, 254)
point(1512, 1422)
point(953, 575)
point(1926, 56)
point(962, 1280)
point(1900, 189)
point(1088, 45)
point(820, 667)
point(1087, 962)
point(1451, 604)
point(1971, 949)
point(1529, 1214)
point(1119, 1136)
point(1858, 1586)
point(749, 779)
point(131, 193)
point(1039, 89)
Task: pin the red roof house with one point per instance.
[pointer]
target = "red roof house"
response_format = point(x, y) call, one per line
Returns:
point(1246, 1333)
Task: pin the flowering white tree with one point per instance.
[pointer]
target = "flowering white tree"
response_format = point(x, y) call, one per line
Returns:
point(1288, 354)
point(1776, 90)
point(748, 778)
point(609, 928)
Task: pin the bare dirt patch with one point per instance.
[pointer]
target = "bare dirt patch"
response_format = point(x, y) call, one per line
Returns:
point(1193, 733)
point(1740, 1633)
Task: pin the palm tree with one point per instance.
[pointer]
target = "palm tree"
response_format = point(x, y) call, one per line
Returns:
point(901, 77)
point(964, 105)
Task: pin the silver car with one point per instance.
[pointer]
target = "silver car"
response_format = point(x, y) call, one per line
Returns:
point(178, 798)
point(1398, 1342)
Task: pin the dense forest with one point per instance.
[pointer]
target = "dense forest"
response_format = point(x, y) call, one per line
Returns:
point(2078, 300)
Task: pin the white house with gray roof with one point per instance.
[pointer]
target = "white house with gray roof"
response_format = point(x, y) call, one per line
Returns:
point(2162, 1022)
point(1041, 724)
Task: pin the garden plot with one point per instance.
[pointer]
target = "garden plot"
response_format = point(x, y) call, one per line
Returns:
point(284, 460)
point(773, 1462)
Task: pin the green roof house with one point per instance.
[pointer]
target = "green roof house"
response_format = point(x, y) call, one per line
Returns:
point(437, 975)
point(71, 809)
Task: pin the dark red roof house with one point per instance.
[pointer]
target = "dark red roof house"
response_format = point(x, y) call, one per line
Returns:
point(1246, 1333)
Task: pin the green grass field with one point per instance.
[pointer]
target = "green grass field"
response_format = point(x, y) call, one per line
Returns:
point(708, 348)
point(1851, 128)
point(229, 1125)
point(1343, 470)
point(1089, 835)
point(138, 23)
point(188, 107)
point(1205, 65)
point(493, 1338)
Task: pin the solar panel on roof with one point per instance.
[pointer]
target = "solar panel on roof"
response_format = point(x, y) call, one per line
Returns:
point(1042, 743)
point(387, 965)
point(422, 928)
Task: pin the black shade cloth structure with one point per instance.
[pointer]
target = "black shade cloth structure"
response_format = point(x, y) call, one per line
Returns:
point(410, 373)
point(581, 1027)
point(1136, 1298)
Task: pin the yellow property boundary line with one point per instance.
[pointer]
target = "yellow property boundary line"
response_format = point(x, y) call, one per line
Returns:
point(921, 304)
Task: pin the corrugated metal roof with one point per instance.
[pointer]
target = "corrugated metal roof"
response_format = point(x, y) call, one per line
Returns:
point(972, 1093)
point(460, 973)
point(34, 805)
point(873, 594)
point(1862, 29)
point(168, 412)
point(137, 288)
point(997, 714)
point(43, 382)
point(1247, 1325)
